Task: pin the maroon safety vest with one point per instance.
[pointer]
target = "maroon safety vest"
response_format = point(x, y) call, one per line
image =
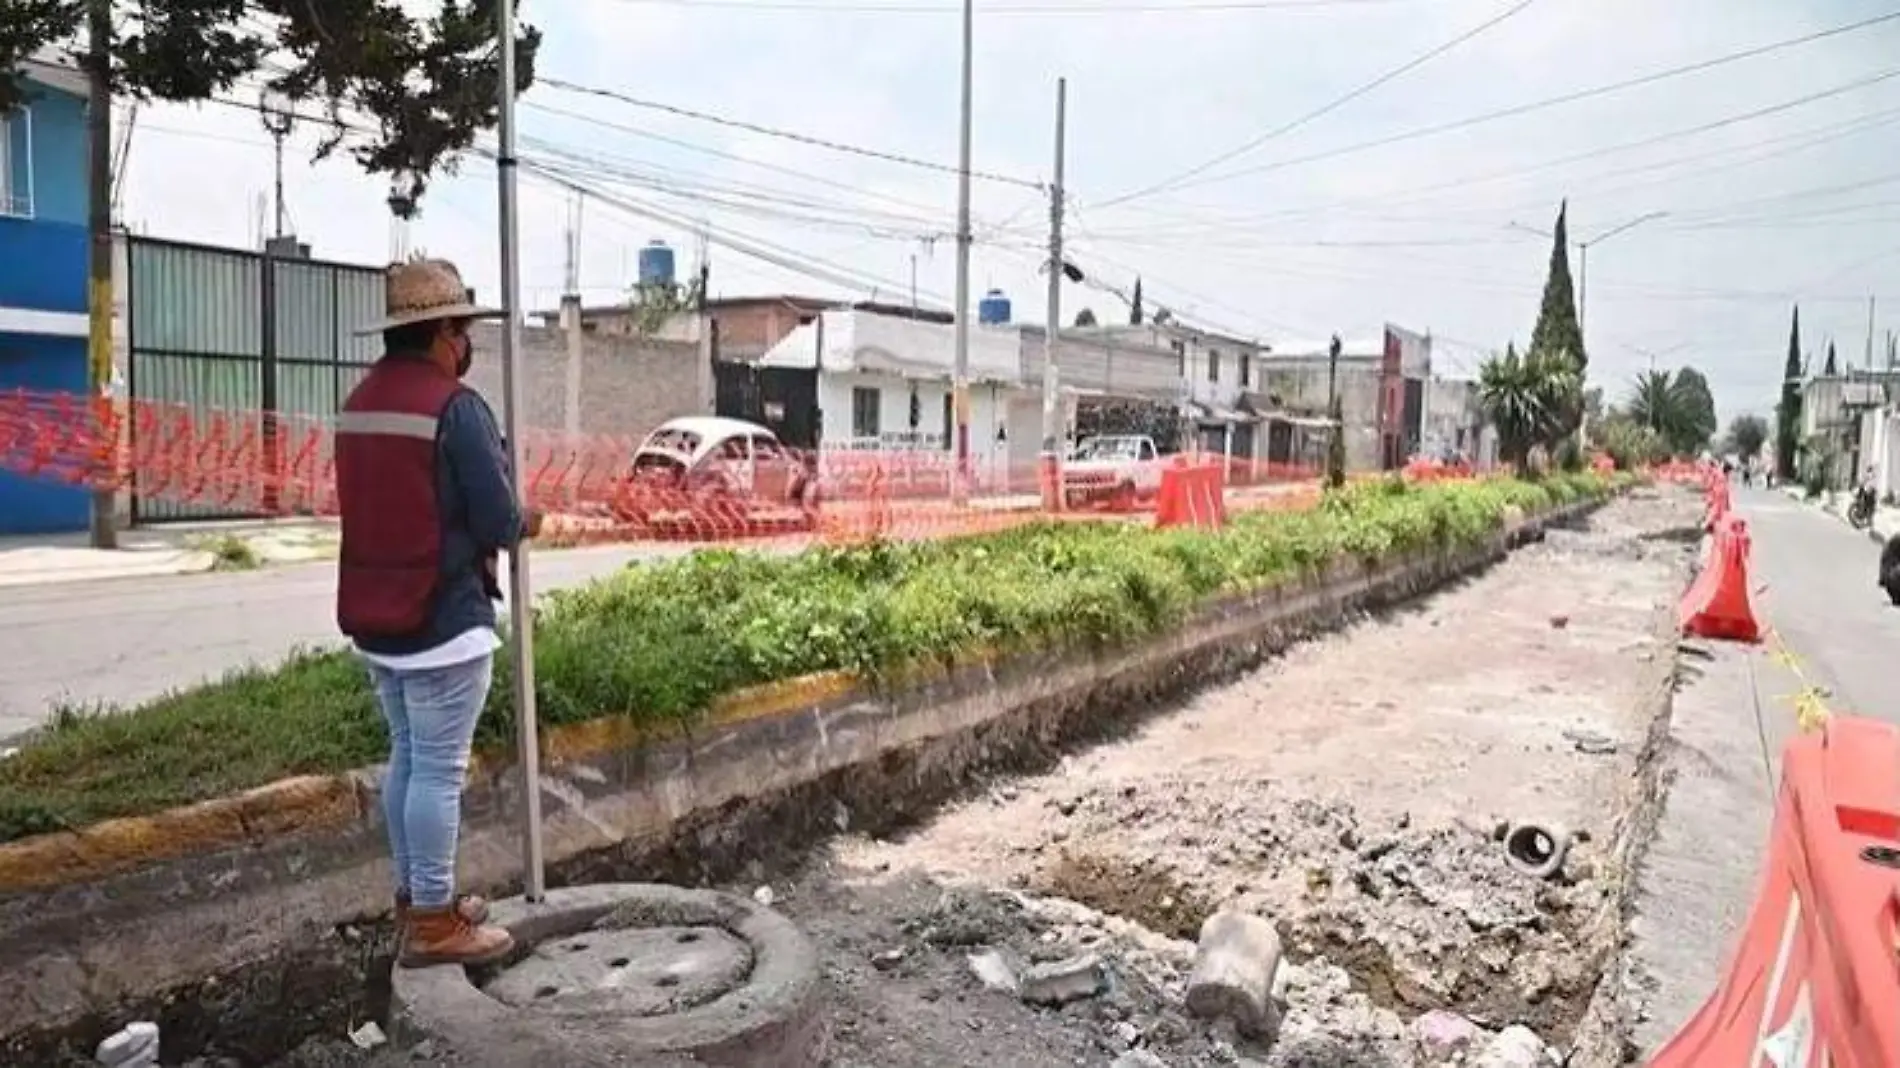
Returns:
point(390, 560)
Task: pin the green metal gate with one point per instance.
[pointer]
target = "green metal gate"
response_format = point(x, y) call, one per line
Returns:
point(226, 333)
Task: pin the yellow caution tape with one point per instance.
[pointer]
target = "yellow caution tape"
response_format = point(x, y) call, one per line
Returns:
point(1810, 702)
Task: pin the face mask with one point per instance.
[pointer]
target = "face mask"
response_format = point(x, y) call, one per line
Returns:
point(465, 359)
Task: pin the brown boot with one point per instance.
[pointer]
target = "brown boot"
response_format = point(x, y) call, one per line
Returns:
point(446, 936)
point(473, 909)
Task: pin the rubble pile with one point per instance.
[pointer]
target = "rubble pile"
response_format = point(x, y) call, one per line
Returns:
point(1135, 990)
point(1425, 917)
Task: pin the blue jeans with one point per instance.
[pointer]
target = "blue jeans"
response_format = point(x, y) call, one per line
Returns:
point(432, 715)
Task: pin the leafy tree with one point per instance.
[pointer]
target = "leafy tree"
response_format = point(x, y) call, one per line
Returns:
point(1831, 367)
point(1557, 332)
point(1747, 434)
point(1788, 409)
point(1528, 398)
point(1134, 305)
point(424, 84)
point(1085, 317)
point(654, 304)
point(1630, 444)
point(1677, 407)
point(1698, 409)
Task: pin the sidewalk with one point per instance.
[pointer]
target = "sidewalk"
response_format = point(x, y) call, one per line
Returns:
point(1886, 522)
point(172, 550)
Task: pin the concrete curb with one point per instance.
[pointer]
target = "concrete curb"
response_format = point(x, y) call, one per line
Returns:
point(771, 1020)
point(94, 918)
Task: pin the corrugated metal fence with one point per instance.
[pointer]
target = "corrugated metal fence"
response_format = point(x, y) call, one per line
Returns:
point(218, 330)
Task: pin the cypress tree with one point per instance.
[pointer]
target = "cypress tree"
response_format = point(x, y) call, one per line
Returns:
point(1788, 410)
point(1830, 368)
point(1557, 332)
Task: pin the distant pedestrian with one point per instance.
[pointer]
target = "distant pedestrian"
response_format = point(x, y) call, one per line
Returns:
point(427, 505)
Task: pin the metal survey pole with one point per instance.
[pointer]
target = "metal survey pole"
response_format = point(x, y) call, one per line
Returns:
point(520, 591)
point(1051, 374)
point(960, 379)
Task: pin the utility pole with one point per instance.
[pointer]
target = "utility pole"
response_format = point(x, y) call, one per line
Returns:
point(960, 376)
point(702, 311)
point(571, 321)
point(520, 589)
point(105, 534)
point(1870, 333)
point(1335, 443)
point(1051, 375)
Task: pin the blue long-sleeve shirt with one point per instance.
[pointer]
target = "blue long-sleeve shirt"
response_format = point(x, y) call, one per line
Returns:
point(479, 517)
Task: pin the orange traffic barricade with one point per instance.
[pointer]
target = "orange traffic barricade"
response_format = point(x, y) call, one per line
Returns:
point(1717, 603)
point(1816, 979)
point(1192, 495)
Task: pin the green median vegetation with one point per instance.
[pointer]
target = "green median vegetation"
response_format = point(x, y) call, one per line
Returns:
point(659, 643)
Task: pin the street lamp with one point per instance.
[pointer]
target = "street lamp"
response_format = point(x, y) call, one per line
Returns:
point(274, 110)
point(1583, 263)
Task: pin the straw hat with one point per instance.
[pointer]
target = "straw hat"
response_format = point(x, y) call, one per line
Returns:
point(421, 291)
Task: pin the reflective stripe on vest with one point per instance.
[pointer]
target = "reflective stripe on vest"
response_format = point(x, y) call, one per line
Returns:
point(392, 424)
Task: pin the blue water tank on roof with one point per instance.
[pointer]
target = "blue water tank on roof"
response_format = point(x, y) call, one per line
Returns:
point(656, 264)
point(993, 309)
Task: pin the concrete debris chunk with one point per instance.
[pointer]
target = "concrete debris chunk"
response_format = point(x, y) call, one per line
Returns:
point(1233, 973)
point(1441, 1035)
point(1514, 1047)
point(996, 970)
point(135, 1046)
point(368, 1036)
point(1138, 1058)
point(1060, 982)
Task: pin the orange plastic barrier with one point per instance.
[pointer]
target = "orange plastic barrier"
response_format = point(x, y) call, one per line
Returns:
point(1191, 496)
point(1716, 604)
point(1718, 500)
point(1815, 981)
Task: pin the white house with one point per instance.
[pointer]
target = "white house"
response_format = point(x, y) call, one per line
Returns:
point(884, 383)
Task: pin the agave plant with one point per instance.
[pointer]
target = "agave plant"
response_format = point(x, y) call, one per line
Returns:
point(1530, 400)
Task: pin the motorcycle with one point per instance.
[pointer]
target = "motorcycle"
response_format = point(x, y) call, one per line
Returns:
point(1860, 513)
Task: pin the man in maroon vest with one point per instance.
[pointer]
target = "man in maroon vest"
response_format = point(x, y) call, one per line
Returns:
point(428, 504)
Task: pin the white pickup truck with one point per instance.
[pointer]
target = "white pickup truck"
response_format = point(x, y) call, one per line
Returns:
point(1119, 469)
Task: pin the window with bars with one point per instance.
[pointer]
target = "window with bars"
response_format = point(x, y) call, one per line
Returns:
point(16, 163)
point(866, 403)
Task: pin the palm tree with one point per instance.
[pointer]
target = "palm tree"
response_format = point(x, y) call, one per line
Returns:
point(1529, 399)
point(1654, 402)
point(1677, 406)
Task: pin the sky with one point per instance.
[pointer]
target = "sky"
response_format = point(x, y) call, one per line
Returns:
point(1757, 183)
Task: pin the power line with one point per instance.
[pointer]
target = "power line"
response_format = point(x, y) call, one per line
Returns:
point(801, 263)
point(1424, 193)
point(788, 135)
point(1333, 105)
point(1550, 102)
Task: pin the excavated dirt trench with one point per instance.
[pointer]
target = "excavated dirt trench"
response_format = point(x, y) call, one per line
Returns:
point(1353, 791)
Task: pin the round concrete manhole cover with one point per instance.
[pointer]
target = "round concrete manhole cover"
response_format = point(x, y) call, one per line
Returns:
point(642, 971)
point(629, 973)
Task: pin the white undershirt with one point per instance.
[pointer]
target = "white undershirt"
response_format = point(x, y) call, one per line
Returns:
point(471, 644)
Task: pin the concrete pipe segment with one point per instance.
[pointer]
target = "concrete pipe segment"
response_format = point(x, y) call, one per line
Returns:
point(628, 974)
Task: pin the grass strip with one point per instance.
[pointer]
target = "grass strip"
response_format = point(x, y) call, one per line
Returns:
point(659, 642)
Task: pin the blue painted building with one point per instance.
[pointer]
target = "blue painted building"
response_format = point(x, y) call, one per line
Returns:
point(43, 273)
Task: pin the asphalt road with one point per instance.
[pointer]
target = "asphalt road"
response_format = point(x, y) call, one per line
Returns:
point(1822, 600)
point(124, 641)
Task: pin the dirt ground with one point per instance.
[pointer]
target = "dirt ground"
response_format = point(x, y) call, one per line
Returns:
point(1351, 791)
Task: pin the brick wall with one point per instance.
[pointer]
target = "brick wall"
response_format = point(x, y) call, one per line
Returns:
point(628, 386)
